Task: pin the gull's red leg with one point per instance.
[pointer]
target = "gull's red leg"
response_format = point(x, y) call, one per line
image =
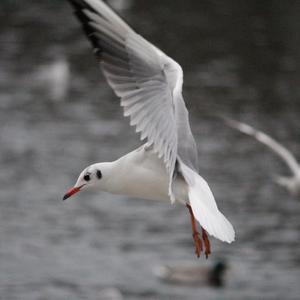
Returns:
point(206, 243)
point(196, 235)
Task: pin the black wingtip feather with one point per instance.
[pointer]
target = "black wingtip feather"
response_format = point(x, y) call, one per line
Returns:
point(89, 31)
point(79, 6)
point(99, 44)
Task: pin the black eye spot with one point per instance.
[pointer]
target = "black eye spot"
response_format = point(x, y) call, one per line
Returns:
point(99, 174)
point(87, 177)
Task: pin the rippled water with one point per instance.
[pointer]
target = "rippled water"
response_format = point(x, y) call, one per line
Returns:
point(240, 59)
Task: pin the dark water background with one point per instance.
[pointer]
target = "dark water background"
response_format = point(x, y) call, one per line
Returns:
point(241, 58)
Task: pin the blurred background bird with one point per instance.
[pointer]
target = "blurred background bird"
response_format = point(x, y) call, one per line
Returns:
point(53, 78)
point(291, 183)
point(192, 274)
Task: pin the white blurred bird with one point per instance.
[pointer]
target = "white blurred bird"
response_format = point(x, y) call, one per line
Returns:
point(149, 84)
point(292, 183)
point(54, 77)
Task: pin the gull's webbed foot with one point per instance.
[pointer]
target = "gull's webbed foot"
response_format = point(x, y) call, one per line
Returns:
point(197, 237)
point(198, 244)
point(206, 243)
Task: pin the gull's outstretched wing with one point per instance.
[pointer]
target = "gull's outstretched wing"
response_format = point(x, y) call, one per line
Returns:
point(265, 139)
point(148, 82)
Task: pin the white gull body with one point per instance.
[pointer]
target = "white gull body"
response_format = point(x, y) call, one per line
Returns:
point(140, 174)
point(292, 183)
point(149, 84)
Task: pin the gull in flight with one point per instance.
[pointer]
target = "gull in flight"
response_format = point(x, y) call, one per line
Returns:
point(292, 183)
point(149, 85)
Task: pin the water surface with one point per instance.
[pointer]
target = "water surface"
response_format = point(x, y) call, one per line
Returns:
point(240, 59)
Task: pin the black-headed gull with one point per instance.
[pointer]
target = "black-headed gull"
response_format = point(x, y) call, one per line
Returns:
point(149, 84)
point(292, 183)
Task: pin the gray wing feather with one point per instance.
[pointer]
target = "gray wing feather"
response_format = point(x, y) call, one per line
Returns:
point(187, 148)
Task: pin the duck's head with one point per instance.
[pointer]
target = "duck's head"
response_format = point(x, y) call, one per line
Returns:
point(216, 277)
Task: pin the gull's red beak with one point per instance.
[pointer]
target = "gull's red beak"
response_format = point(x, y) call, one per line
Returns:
point(71, 192)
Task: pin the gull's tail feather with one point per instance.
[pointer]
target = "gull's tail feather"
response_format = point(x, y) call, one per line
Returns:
point(205, 208)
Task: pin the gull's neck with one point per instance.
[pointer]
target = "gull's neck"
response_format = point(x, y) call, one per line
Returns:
point(112, 180)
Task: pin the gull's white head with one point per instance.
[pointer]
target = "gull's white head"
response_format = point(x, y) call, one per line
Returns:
point(92, 176)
